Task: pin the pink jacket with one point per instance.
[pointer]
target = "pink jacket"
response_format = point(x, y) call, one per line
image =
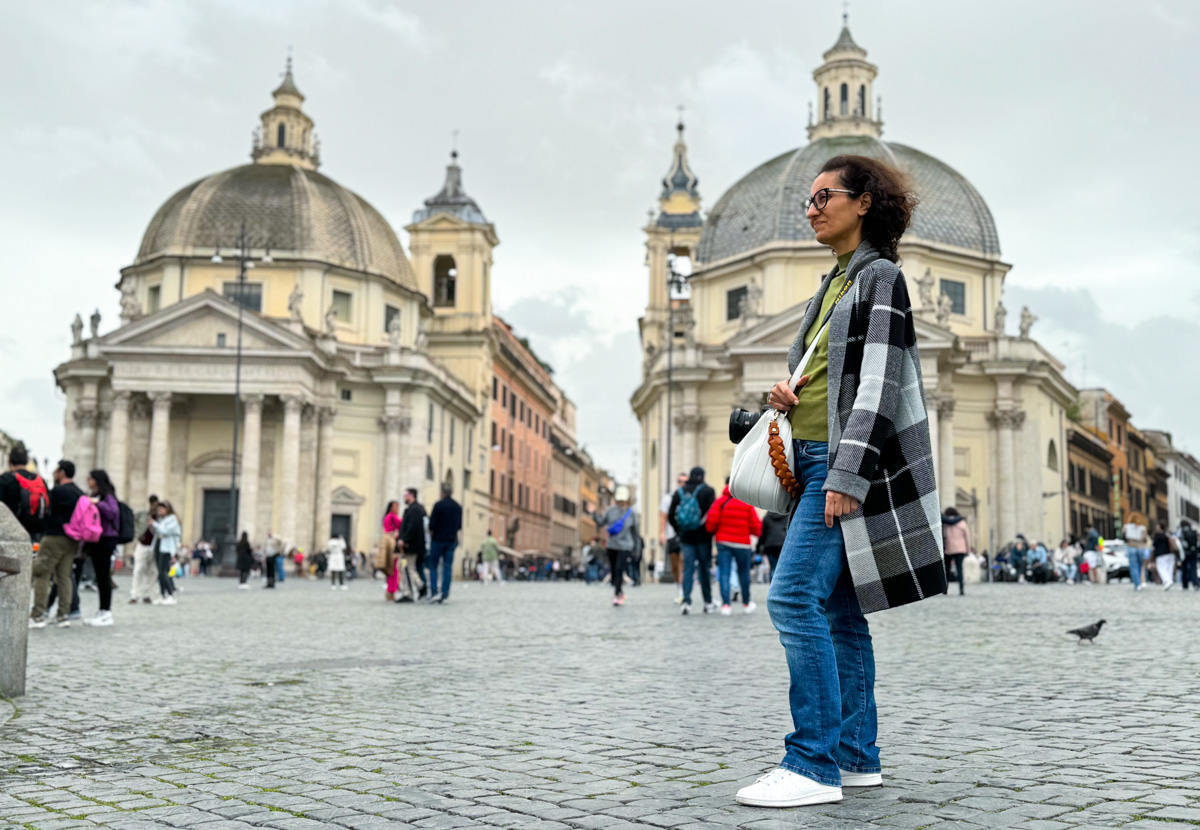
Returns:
point(957, 537)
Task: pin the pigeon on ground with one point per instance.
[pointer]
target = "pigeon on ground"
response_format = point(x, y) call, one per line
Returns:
point(1088, 632)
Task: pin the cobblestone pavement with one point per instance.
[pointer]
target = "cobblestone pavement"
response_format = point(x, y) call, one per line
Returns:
point(539, 706)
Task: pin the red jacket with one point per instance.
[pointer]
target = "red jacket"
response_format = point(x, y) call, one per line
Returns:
point(731, 521)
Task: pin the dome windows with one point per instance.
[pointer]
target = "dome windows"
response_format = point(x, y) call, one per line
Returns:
point(861, 112)
point(844, 105)
point(281, 135)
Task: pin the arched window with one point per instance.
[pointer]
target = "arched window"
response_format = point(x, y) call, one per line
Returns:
point(826, 110)
point(445, 281)
point(845, 98)
point(1052, 456)
point(450, 480)
point(862, 101)
point(429, 474)
point(280, 135)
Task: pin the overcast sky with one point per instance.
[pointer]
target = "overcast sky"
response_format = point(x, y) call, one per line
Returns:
point(1077, 121)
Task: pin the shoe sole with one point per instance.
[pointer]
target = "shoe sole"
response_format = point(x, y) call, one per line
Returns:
point(816, 798)
point(862, 779)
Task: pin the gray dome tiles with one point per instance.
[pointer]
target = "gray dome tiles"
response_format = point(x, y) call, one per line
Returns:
point(297, 211)
point(767, 205)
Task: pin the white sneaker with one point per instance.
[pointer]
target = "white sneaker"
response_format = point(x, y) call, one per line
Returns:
point(862, 779)
point(1168, 586)
point(784, 788)
point(168, 601)
point(710, 607)
point(345, 587)
point(38, 622)
point(726, 610)
point(244, 587)
point(684, 608)
point(749, 607)
point(102, 618)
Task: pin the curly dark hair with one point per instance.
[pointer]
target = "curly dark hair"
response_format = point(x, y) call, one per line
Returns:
point(892, 199)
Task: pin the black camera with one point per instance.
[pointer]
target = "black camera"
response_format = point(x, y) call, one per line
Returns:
point(741, 422)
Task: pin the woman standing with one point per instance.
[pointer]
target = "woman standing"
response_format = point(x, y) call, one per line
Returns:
point(956, 536)
point(104, 496)
point(336, 563)
point(245, 560)
point(167, 535)
point(863, 463)
point(1165, 551)
point(391, 533)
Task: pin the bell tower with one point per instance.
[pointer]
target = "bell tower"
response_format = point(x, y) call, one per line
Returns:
point(671, 235)
point(286, 135)
point(845, 90)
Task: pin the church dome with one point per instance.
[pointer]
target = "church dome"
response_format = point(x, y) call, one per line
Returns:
point(767, 205)
point(296, 211)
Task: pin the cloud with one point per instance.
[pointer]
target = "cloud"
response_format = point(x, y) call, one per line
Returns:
point(1148, 365)
point(405, 25)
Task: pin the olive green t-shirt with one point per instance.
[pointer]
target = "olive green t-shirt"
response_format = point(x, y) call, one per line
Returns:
point(810, 417)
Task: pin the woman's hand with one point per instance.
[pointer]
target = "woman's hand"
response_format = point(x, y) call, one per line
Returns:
point(837, 505)
point(782, 397)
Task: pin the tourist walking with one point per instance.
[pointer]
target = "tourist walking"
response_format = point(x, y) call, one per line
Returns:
point(956, 538)
point(689, 507)
point(1137, 549)
point(25, 493)
point(104, 496)
point(245, 560)
point(489, 553)
point(56, 552)
point(445, 523)
point(412, 539)
point(335, 563)
point(620, 526)
point(668, 539)
point(143, 586)
point(1189, 541)
point(272, 557)
point(388, 544)
point(732, 523)
point(774, 532)
point(1166, 549)
point(864, 470)
point(167, 536)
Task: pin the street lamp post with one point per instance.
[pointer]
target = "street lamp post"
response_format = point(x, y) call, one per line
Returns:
point(242, 252)
point(675, 284)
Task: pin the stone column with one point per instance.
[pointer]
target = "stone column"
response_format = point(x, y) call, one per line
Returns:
point(118, 444)
point(293, 405)
point(690, 425)
point(160, 428)
point(250, 473)
point(86, 418)
point(324, 486)
point(393, 427)
point(1006, 421)
point(946, 484)
point(932, 399)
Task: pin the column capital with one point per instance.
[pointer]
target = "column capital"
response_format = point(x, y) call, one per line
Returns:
point(292, 403)
point(690, 421)
point(1006, 418)
point(86, 416)
point(161, 400)
point(395, 423)
point(253, 401)
point(326, 414)
point(121, 399)
point(945, 406)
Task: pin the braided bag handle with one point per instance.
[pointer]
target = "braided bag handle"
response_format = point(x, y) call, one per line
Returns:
point(779, 461)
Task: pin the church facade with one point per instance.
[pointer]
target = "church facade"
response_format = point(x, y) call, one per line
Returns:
point(362, 372)
point(718, 339)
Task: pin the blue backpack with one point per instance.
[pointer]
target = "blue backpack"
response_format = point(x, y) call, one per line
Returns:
point(687, 512)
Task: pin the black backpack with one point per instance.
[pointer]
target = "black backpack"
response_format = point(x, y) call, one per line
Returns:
point(1190, 539)
point(125, 524)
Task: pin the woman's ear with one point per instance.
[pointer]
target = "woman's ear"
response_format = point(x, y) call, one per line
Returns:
point(864, 204)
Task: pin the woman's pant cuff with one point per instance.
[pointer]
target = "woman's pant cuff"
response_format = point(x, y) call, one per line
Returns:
point(811, 774)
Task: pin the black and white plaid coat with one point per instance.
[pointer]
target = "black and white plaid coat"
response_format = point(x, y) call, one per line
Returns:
point(879, 447)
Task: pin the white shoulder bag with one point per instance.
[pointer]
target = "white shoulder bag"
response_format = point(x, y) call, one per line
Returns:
point(761, 474)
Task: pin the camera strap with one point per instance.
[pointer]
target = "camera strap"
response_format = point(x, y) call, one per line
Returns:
point(812, 347)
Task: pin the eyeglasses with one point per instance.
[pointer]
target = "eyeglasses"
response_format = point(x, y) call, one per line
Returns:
point(821, 198)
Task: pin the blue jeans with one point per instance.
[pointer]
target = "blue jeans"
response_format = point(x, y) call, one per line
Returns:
point(1136, 557)
point(824, 634)
point(725, 556)
point(440, 553)
point(691, 555)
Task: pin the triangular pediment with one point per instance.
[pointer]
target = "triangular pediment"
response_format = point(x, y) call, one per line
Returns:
point(198, 322)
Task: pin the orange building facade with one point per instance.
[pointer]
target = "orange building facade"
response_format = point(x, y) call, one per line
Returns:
point(523, 403)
